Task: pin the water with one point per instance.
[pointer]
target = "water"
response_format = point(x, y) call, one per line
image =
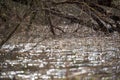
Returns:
point(80, 61)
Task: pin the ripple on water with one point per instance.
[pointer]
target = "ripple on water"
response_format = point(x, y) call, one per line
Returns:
point(35, 64)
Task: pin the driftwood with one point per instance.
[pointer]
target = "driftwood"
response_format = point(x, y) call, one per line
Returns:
point(105, 17)
point(102, 12)
point(100, 17)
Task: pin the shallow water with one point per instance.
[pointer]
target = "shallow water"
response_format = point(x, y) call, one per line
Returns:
point(82, 62)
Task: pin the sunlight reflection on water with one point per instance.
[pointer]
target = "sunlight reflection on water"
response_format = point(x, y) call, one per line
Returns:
point(45, 64)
